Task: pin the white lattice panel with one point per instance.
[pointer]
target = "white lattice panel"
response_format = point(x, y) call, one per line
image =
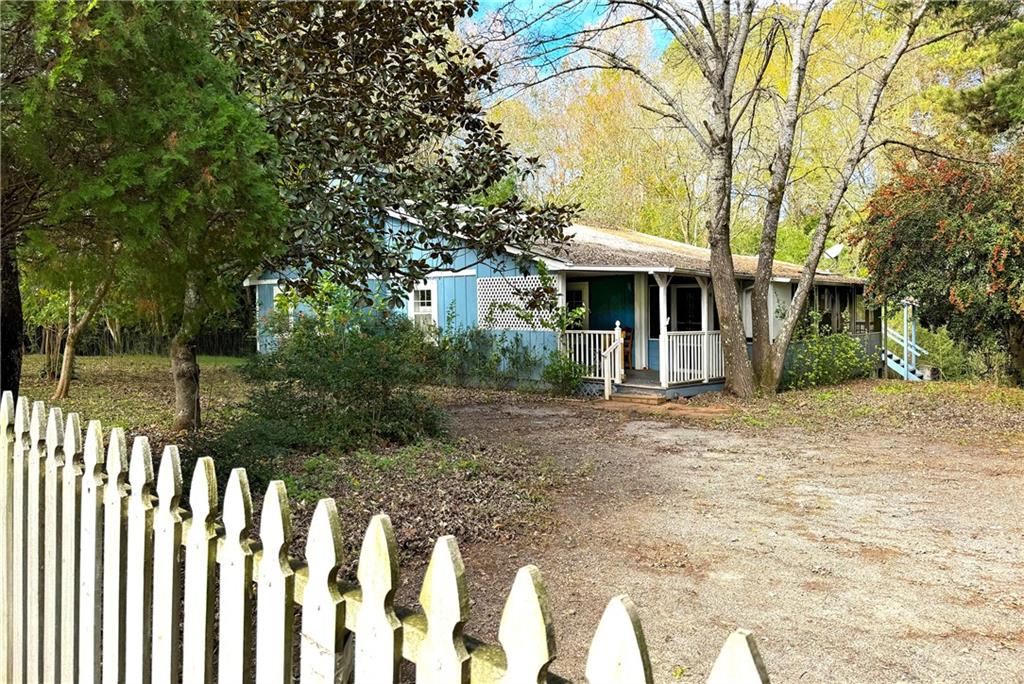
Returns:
point(499, 302)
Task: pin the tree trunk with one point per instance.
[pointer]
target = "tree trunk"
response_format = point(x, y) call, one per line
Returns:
point(12, 322)
point(738, 376)
point(185, 365)
point(766, 380)
point(75, 327)
point(856, 154)
point(114, 328)
point(1015, 345)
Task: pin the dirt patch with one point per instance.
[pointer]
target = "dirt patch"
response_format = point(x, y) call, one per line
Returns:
point(853, 551)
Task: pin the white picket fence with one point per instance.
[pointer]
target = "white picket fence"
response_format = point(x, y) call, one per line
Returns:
point(104, 577)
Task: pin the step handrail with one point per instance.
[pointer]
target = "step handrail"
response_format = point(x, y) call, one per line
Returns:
point(902, 341)
point(610, 369)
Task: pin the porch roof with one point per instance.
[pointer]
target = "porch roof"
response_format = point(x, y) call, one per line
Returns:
point(602, 248)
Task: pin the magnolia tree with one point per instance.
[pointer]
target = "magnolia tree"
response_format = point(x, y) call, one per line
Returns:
point(376, 108)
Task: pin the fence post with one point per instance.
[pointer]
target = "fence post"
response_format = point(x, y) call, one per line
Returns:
point(19, 535)
point(378, 635)
point(618, 652)
point(606, 363)
point(90, 570)
point(115, 558)
point(323, 612)
point(51, 507)
point(275, 608)
point(200, 556)
point(620, 354)
point(34, 541)
point(235, 662)
point(167, 524)
point(526, 632)
point(739, 661)
point(139, 575)
point(70, 516)
point(442, 657)
point(6, 542)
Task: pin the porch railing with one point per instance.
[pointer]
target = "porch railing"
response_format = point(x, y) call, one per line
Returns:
point(695, 356)
point(585, 347)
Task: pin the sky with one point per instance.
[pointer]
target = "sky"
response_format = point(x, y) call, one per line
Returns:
point(581, 15)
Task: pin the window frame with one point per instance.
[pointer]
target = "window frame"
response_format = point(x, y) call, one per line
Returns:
point(582, 287)
point(430, 286)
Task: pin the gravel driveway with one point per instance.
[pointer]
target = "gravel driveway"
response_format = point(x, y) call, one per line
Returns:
point(853, 555)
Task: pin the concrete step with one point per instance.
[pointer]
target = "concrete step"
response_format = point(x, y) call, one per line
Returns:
point(644, 399)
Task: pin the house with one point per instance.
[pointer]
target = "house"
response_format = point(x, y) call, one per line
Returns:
point(650, 321)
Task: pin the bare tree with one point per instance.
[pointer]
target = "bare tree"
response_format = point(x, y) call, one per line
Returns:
point(716, 36)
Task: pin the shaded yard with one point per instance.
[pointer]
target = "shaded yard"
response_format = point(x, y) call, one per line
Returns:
point(865, 532)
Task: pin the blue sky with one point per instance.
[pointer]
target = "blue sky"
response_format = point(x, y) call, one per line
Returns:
point(579, 17)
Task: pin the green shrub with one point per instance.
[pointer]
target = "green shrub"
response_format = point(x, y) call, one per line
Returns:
point(336, 382)
point(471, 356)
point(820, 357)
point(562, 373)
point(958, 360)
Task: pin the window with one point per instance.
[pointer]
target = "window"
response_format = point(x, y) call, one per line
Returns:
point(577, 296)
point(686, 308)
point(423, 304)
point(654, 312)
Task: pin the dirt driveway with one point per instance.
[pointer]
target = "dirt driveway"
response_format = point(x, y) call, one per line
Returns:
point(853, 555)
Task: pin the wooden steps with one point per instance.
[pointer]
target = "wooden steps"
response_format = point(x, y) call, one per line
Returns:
point(643, 399)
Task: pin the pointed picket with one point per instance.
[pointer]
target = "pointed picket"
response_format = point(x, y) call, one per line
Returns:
point(526, 632)
point(90, 561)
point(166, 656)
point(115, 558)
point(323, 619)
point(442, 657)
point(139, 576)
point(234, 665)
point(200, 556)
point(34, 541)
point(275, 590)
point(19, 536)
point(378, 646)
point(6, 539)
point(739, 661)
point(52, 554)
point(70, 495)
point(618, 652)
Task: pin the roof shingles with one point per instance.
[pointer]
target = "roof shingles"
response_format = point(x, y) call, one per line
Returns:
point(604, 248)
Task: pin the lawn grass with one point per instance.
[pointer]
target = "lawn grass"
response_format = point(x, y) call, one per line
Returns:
point(977, 410)
point(445, 485)
point(137, 392)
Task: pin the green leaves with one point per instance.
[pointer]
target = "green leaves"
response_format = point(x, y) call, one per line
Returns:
point(377, 108)
point(949, 234)
point(148, 148)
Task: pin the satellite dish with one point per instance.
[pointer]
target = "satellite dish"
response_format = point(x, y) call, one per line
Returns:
point(834, 251)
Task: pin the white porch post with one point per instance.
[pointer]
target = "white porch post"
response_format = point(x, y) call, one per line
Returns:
point(642, 326)
point(705, 344)
point(561, 283)
point(662, 279)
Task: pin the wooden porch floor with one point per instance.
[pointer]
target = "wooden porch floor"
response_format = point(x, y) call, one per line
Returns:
point(642, 378)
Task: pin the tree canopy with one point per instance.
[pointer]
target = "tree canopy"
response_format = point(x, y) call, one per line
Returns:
point(377, 108)
point(951, 236)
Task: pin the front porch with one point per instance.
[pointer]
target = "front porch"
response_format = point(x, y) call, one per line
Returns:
point(657, 332)
point(661, 330)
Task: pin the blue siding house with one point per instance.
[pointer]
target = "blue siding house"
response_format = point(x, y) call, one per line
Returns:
point(649, 323)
